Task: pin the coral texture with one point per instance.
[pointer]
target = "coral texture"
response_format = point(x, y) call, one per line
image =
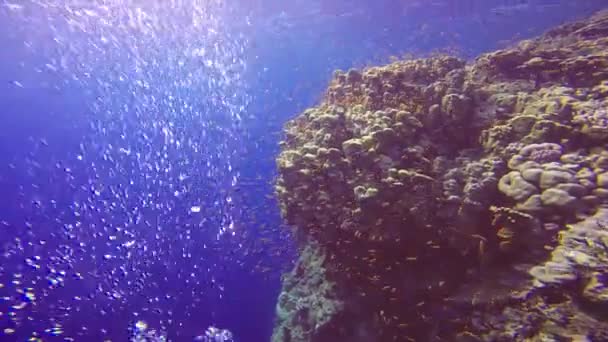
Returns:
point(436, 200)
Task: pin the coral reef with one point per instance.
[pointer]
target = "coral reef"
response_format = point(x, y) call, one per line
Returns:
point(305, 307)
point(436, 200)
point(542, 180)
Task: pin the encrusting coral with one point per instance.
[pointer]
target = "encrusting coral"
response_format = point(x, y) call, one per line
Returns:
point(439, 200)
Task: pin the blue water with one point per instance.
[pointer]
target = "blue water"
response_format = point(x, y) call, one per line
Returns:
point(136, 162)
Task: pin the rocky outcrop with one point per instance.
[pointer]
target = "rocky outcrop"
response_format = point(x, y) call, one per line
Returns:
point(439, 200)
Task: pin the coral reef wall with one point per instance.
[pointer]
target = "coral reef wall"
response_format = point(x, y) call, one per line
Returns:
point(435, 200)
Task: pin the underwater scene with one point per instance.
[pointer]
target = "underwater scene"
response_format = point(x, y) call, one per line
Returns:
point(304, 171)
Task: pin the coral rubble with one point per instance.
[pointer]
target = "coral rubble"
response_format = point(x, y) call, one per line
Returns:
point(436, 200)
